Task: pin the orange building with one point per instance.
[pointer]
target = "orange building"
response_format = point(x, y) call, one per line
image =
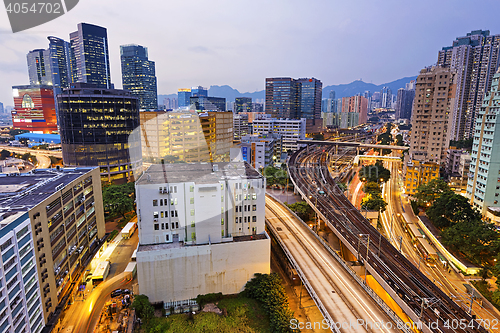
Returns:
point(34, 109)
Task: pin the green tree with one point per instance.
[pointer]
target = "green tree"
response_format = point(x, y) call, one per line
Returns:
point(427, 193)
point(4, 154)
point(143, 307)
point(371, 187)
point(269, 290)
point(374, 173)
point(451, 208)
point(319, 137)
point(399, 140)
point(476, 239)
point(118, 199)
point(303, 210)
point(374, 201)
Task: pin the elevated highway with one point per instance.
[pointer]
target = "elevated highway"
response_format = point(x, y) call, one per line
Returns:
point(331, 284)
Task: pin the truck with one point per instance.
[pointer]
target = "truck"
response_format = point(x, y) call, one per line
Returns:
point(129, 230)
point(101, 272)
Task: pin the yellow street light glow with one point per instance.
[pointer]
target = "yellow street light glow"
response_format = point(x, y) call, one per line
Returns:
point(90, 307)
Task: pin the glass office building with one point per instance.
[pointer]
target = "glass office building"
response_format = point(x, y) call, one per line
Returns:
point(95, 125)
point(138, 75)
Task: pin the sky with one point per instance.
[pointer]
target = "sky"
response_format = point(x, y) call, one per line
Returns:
point(241, 42)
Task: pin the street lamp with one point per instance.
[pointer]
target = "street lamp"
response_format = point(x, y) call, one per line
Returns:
point(367, 249)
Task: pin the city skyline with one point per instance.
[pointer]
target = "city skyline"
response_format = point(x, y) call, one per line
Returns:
point(249, 49)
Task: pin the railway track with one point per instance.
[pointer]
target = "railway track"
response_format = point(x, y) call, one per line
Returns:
point(428, 302)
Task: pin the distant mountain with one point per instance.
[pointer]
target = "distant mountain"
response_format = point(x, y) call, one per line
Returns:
point(359, 87)
point(341, 90)
point(222, 91)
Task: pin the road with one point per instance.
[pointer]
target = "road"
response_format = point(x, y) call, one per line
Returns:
point(84, 315)
point(344, 299)
point(393, 220)
point(23, 150)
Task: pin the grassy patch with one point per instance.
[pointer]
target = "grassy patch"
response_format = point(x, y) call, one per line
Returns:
point(243, 315)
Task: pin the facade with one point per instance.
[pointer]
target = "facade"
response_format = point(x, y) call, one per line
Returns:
point(34, 109)
point(453, 158)
point(290, 131)
point(204, 103)
point(386, 98)
point(138, 75)
point(39, 67)
point(60, 224)
point(404, 102)
point(458, 181)
point(417, 173)
point(240, 125)
point(242, 104)
point(281, 97)
point(355, 104)
point(185, 136)
point(192, 219)
point(483, 188)
point(95, 126)
point(89, 45)
point(434, 98)
point(22, 304)
point(183, 97)
point(62, 63)
point(475, 59)
point(199, 91)
point(294, 99)
point(260, 151)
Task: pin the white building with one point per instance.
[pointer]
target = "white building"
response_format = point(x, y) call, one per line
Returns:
point(201, 229)
point(290, 130)
point(21, 306)
point(483, 187)
point(259, 150)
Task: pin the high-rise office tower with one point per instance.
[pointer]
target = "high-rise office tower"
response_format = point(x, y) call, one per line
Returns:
point(90, 47)
point(281, 97)
point(242, 104)
point(293, 98)
point(475, 58)
point(310, 90)
point(433, 100)
point(39, 67)
point(183, 96)
point(95, 125)
point(1, 108)
point(332, 94)
point(138, 75)
point(482, 188)
point(199, 91)
point(62, 62)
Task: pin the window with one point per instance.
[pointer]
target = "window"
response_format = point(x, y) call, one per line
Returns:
point(167, 238)
point(173, 225)
point(245, 207)
point(6, 244)
point(191, 200)
point(162, 226)
point(166, 225)
point(254, 218)
point(161, 214)
point(192, 212)
point(161, 202)
point(175, 211)
point(176, 225)
point(172, 213)
point(155, 202)
point(155, 215)
point(157, 226)
point(192, 224)
point(254, 208)
point(191, 188)
point(254, 196)
point(222, 198)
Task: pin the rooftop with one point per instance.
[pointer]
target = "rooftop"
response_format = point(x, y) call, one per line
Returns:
point(199, 173)
point(22, 192)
